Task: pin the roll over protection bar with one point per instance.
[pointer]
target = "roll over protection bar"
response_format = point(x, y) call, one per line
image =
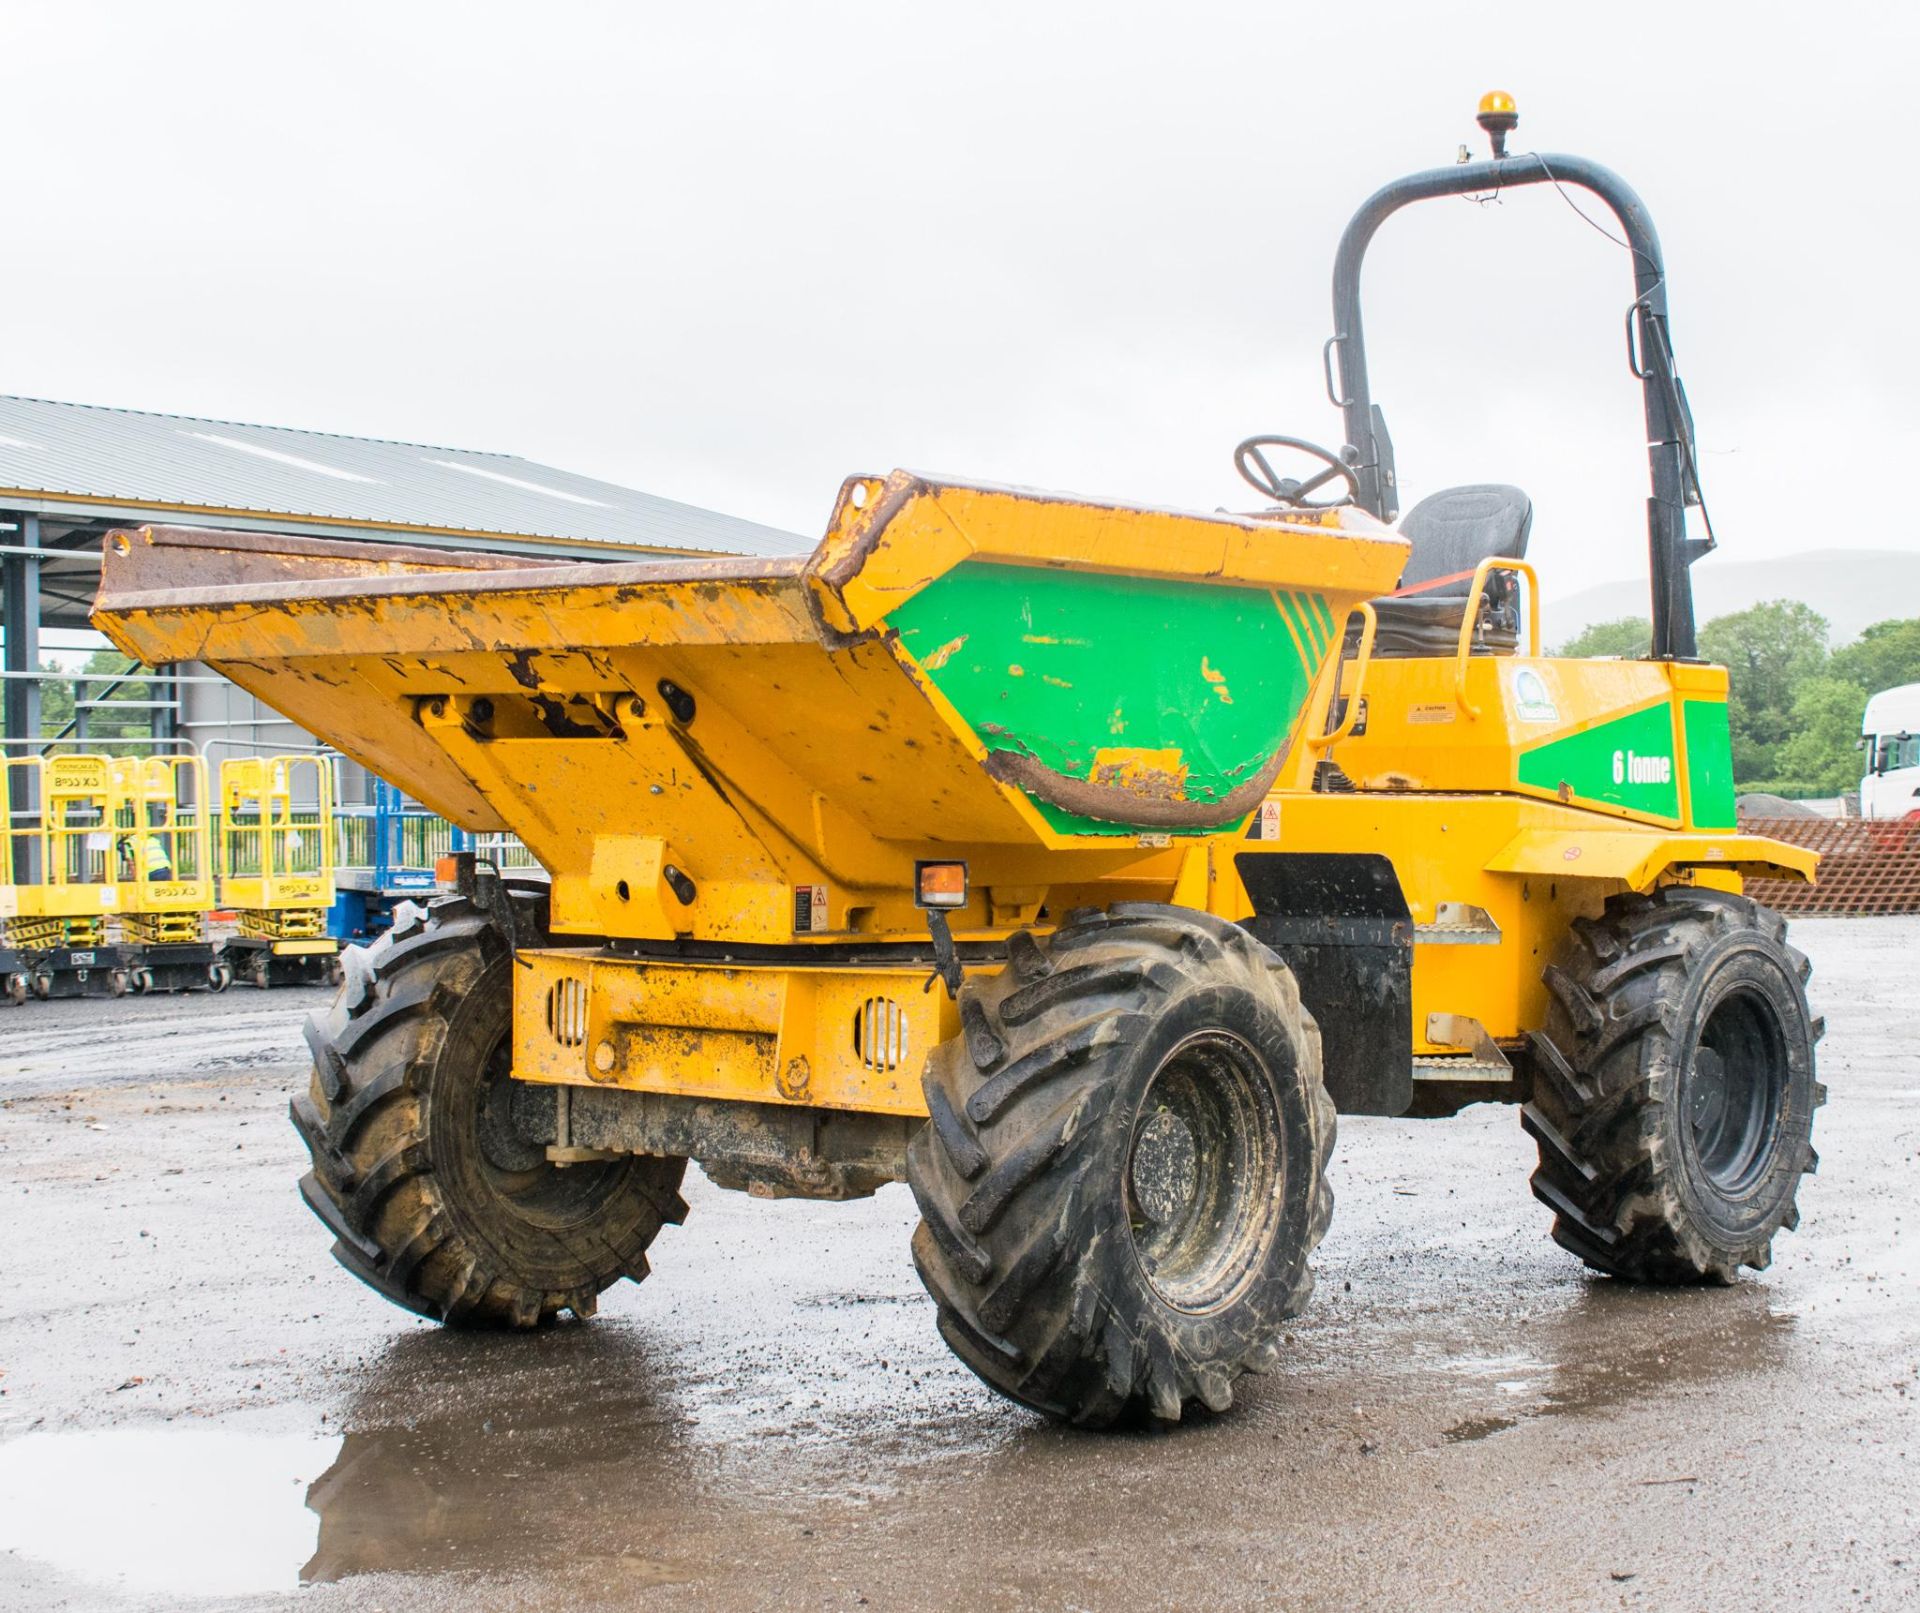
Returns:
point(1670, 446)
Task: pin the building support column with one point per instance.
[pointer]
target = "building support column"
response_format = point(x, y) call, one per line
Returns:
point(20, 697)
point(20, 618)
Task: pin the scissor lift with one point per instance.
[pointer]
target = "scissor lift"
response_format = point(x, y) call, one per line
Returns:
point(16, 972)
point(162, 855)
point(277, 839)
point(60, 891)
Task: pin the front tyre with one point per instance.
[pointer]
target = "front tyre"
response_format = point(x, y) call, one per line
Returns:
point(435, 1197)
point(1674, 1089)
point(1124, 1172)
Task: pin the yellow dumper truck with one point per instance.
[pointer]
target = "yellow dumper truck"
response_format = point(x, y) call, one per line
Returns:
point(1072, 861)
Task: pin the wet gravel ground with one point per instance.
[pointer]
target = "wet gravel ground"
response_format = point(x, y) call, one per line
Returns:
point(199, 1409)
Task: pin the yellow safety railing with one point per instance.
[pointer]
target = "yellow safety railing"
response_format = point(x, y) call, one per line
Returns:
point(277, 844)
point(161, 847)
point(60, 881)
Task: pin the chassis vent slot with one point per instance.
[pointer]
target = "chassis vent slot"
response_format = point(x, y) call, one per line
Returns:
point(880, 1034)
point(567, 1011)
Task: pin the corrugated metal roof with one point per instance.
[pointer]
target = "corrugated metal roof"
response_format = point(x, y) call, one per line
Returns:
point(131, 458)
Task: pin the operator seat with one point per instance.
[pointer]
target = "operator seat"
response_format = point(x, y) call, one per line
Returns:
point(1452, 532)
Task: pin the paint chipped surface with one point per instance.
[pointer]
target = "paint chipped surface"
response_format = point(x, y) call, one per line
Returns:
point(1153, 775)
point(945, 653)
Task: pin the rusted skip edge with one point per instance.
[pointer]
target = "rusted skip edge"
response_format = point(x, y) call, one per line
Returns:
point(899, 490)
point(1108, 803)
point(143, 546)
point(116, 596)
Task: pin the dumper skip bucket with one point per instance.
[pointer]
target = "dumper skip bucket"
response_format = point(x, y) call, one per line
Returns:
point(1019, 674)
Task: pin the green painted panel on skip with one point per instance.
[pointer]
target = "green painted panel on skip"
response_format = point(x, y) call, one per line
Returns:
point(1627, 762)
point(1062, 666)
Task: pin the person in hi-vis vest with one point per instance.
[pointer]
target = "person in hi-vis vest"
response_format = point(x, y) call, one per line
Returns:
point(150, 860)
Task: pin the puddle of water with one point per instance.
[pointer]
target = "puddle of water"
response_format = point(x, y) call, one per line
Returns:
point(1618, 1345)
point(1478, 1428)
point(1507, 1370)
point(164, 1511)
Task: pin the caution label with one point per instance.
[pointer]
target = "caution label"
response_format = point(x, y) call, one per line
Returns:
point(809, 908)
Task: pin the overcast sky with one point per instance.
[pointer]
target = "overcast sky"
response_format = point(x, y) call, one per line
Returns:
point(732, 253)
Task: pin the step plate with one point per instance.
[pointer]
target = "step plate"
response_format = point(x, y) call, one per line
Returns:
point(1449, 1068)
point(1458, 924)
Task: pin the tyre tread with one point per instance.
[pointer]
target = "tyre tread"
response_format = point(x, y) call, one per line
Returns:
point(1001, 1170)
point(1615, 1005)
point(367, 1119)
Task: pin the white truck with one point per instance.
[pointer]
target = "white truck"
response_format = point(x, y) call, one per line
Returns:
point(1890, 736)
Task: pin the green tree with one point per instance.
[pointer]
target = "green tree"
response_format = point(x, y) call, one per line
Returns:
point(1885, 655)
point(1769, 650)
point(1823, 756)
point(56, 700)
point(1627, 636)
point(103, 667)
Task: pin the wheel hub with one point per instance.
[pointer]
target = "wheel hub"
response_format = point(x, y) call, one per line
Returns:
point(502, 1144)
point(1204, 1172)
point(1709, 1091)
point(1736, 1084)
point(1166, 1164)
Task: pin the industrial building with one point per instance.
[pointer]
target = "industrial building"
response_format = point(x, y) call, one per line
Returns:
point(69, 473)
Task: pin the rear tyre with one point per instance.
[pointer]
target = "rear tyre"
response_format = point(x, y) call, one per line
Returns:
point(16, 988)
point(435, 1197)
point(1124, 1173)
point(1674, 1089)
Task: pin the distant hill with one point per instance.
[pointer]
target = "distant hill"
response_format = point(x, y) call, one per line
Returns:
point(1852, 588)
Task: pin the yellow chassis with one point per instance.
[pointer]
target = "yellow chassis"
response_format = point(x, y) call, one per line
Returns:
point(801, 1033)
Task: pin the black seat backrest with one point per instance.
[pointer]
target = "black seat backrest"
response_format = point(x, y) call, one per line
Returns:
point(1452, 531)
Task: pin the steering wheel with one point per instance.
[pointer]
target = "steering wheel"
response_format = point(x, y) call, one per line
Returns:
point(1250, 460)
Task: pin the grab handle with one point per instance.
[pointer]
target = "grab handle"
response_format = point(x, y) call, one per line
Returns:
point(1370, 623)
point(1464, 650)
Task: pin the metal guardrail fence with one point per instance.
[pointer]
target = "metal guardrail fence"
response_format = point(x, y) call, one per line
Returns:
point(1867, 865)
point(394, 843)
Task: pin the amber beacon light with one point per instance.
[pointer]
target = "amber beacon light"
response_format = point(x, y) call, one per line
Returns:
point(1499, 116)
